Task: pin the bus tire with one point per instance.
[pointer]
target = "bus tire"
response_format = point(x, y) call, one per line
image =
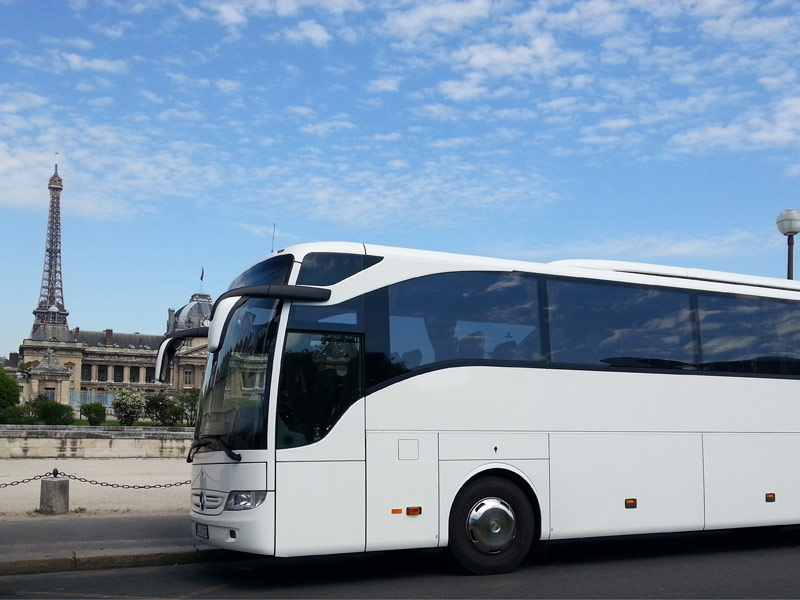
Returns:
point(491, 526)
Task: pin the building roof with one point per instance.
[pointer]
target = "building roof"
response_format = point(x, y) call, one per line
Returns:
point(196, 313)
point(45, 332)
point(138, 341)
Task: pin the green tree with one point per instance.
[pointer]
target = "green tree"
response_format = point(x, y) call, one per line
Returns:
point(189, 400)
point(128, 406)
point(9, 390)
point(163, 410)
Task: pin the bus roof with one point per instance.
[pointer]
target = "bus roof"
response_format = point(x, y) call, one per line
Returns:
point(680, 272)
point(572, 267)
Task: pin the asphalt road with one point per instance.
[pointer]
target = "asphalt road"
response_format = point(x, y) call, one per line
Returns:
point(746, 564)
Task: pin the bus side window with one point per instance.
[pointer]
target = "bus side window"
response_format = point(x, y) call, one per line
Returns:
point(320, 380)
point(607, 324)
point(745, 334)
point(453, 319)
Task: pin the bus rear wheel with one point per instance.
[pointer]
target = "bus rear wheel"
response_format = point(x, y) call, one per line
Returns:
point(491, 526)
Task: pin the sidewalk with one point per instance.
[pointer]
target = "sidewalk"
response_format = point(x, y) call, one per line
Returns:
point(49, 545)
point(106, 527)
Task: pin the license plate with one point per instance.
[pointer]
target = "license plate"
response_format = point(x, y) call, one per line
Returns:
point(201, 530)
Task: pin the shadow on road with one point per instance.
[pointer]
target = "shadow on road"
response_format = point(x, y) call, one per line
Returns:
point(664, 545)
point(389, 566)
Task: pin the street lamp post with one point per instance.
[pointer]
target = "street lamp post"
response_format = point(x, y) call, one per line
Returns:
point(789, 225)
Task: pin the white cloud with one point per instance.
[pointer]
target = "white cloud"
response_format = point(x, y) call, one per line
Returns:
point(257, 230)
point(438, 112)
point(443, 17)
point(756, 129)
point(311, 32)
point(452, 143)
point(779, 81)
point(228, 86)
point(514, 114)
point(465, 89)
point(114, 32)
point(326, 127)
point(237, 13)
point(541, 55)
point(102, 102)
point(76, 62)
point(301, 111)
point(151, 96)
point(384, 84)
point(172, 114)
point(230, 13)
point(387, 137)
point(594, 17)
point(615, 124)
point(639, 248)
point(13, 102)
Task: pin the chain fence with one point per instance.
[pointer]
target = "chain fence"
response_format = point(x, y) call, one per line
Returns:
point(123, 486)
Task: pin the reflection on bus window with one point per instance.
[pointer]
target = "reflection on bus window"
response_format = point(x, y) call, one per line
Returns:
point(234, 397)
point(608, 324)
point(320, 380)
point(451, 318)
point(744, 334)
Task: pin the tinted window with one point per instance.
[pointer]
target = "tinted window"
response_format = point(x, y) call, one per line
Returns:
point(601, 323)
point(235, 394)
point(465, 317)
point(271, 271)
point(346, 316)
point(327, 268)
point(749, 335)
point(320, 380)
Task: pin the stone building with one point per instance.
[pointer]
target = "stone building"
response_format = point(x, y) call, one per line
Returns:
point(89, 367)
point(189, 362)
point(74, 366)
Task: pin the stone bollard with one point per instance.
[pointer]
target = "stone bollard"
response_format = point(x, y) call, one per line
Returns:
point(54, 497)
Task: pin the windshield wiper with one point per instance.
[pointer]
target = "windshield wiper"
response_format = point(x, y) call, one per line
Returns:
point(196, 445)
point(226, 447)
point(207, 440)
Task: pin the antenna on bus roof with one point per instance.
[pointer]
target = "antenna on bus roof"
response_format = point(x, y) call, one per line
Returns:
point(272, 248)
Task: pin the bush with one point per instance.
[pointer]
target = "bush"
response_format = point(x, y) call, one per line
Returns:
point(163, 410)
point(50, 412)
point(95, 413)
point(16, 415)
point(128, 406)
point(9, 390)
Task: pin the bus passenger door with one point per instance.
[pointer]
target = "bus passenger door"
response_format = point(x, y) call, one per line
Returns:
point(402, 490)
point(319, 439)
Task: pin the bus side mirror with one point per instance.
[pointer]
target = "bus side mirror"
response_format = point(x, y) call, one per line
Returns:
point(219, 319)
point(169, 345)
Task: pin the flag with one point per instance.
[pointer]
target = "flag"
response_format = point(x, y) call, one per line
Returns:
point(202, 272)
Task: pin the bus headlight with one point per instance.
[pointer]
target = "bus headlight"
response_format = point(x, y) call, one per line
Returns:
point(244, 500)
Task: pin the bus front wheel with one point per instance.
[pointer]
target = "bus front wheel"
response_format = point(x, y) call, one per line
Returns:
point(491, 526)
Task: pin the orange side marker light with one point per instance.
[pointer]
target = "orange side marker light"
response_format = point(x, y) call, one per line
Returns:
point(630, 503)
point(770, 497)
point(397, 511)
point(414, 511)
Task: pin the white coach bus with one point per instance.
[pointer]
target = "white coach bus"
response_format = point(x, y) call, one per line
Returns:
point(363, 398)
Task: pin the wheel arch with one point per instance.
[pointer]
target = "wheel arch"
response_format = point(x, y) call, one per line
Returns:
point(511, 474)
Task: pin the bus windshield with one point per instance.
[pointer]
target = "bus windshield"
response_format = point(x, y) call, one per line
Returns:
point(234, 398)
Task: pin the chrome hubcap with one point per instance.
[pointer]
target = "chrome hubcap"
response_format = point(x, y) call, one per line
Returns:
point(491, 525)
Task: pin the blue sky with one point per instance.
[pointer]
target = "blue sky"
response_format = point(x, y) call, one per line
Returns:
point(643, 130)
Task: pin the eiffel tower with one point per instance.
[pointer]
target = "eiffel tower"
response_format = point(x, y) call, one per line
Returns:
point(50, 315)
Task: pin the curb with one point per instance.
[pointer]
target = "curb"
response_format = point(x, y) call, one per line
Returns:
point(114, 559)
